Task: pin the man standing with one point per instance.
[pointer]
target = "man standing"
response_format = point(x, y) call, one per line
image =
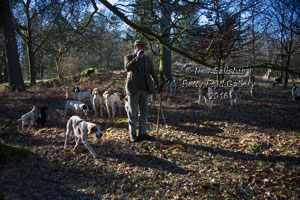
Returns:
point(139, 84)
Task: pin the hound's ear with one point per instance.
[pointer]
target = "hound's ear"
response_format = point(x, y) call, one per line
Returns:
point(91, 128)
point(76, 87)
point(83, 107)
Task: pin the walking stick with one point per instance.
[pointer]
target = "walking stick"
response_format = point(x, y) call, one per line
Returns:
point(158, 113)
point(166, 83)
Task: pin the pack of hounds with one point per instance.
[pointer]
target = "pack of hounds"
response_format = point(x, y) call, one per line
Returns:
point(112, 103)
point(77, 108)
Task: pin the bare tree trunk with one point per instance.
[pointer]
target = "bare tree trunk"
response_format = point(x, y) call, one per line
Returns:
point(57, 67)
point(42, 72)
point(165, 64)
point(286, 73)
point(31, 59)
point(100, 55)
point(165, 54)
point(29, 44)
point(220, 77)
point(16, 81)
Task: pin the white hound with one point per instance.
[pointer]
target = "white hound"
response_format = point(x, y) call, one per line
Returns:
point(80, 96)
point(97, 102)
point(67, 94)
point(32, 115)
point(234, 94)
point(81, 131)
point(77, 107)
point(206, 93)
point(171, 89)
point(113, 101)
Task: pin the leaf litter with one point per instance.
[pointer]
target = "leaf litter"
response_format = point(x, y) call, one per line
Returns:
point(247, 152)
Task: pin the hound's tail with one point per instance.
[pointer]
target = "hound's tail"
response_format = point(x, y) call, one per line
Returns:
point(67, 94)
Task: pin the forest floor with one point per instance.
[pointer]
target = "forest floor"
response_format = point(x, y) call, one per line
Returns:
point(246, 152)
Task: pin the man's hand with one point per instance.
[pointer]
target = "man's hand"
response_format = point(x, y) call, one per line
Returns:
point(139, 53)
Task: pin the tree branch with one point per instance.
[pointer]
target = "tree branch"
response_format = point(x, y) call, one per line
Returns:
point(148, 32)
point(91, 17)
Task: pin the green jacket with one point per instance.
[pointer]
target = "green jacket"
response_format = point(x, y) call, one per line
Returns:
point(131, 65)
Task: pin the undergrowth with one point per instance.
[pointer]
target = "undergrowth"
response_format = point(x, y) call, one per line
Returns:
point(7, 152)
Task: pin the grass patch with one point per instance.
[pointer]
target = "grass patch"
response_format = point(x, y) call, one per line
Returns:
point(122, 123)
point(4, 87)
point(255, 148)
point(88, 71)
point(43, 130)
point(7, 152)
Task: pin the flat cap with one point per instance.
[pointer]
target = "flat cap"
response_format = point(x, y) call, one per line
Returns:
point(139, 42)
